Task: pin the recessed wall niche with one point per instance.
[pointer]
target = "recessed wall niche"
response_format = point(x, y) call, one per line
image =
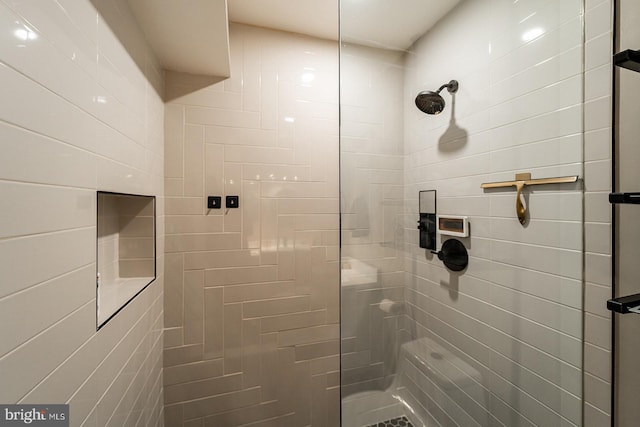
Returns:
point(126, 252)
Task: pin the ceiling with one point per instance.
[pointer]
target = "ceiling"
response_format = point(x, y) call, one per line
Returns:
point(170, 26)
point(203, 25)
point(317, 18)
point(391, 24)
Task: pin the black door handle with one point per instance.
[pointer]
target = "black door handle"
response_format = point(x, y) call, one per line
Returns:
point(624, 198)
point(624, 305)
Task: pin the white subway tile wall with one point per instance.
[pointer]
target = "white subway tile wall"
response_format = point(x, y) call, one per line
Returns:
point(80, 113)
point(515, 316)
point(251, 294)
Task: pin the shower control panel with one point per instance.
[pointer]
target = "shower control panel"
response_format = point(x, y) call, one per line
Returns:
point(453, 225)
point(427, 221)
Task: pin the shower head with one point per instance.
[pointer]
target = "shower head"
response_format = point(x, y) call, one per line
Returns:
point(431, 102)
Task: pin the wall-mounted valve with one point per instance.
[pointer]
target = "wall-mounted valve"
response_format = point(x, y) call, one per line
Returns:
point(453, 254)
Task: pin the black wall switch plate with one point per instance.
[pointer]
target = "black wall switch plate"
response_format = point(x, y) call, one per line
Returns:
point(214, 202)
point(232, 201)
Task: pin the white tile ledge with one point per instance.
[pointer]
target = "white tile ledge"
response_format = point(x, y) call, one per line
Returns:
point(116, 293)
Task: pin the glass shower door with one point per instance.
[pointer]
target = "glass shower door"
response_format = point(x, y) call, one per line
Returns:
point(499, 342)
point(372, 279)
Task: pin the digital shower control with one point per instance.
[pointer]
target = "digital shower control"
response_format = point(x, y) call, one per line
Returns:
point(427, 221)
point(452, 225)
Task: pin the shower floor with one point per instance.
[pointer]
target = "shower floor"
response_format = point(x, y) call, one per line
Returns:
point(395, 422)
point(370, 408)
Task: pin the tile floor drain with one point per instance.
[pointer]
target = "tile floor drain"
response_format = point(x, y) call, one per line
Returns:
point(395, 422)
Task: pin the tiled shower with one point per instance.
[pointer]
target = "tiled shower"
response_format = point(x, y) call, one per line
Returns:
point(308, 303)
point(508, 329)
point(252, 302)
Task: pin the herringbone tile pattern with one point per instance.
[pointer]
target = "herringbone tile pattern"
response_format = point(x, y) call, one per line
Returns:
point(252, 293)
